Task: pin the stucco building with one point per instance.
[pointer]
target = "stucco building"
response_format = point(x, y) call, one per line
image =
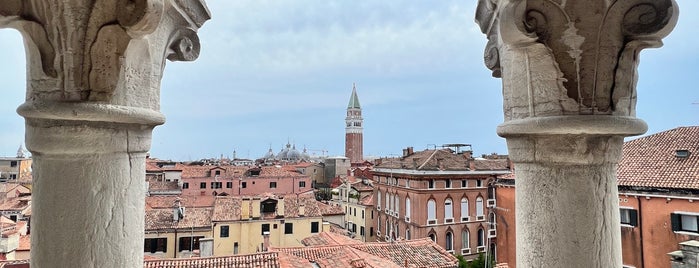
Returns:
point(441, 194)
point(356, 196)
point(243, 181)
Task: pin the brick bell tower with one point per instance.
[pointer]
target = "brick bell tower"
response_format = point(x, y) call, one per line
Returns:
point(353, 130)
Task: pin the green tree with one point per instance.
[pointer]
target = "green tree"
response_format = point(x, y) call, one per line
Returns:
point(478, 262)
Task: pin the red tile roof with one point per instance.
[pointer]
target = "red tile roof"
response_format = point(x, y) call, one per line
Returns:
point(257, 260)
point(185, 201)
point(326, 209)
point(420, 253)
point(24, 243)
point(650, 161)
point(328, 239)
point(367, 200)
point(162, 218)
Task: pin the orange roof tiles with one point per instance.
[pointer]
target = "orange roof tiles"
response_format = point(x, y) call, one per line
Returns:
point(258, 260)
point(185, 201)
point(650, 161)
point(24, 242)
point(159, 219)
point(328, 239)
point(420, 253)
point(326, 209)
point(367, 200)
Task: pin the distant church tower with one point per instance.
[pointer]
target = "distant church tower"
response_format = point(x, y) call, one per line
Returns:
point(353, 130)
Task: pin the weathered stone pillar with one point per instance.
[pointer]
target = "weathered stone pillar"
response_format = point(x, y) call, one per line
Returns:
point(568, 70)
point(93, 89)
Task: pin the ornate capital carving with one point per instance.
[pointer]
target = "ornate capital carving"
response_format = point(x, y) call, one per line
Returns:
point(562, 57)
point(109, 51)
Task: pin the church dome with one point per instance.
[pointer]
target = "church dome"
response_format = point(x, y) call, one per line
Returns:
point(293, 154)
point(269, 155)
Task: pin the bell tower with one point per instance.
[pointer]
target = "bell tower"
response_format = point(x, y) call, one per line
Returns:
point(353, 129)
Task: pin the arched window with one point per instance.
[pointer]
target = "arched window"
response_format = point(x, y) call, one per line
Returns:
point(449, 241)
point(378, 199)
point(407, 209)
point(388, 202)
point(397, 204)
point(387, 233)
point(433, 237)
point(448, 210)
point(465, 236)
point(431, 210)
point(481, 237)
point(464, 209)
point(479, 207)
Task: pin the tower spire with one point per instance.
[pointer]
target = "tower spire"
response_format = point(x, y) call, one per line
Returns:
point(354, 100)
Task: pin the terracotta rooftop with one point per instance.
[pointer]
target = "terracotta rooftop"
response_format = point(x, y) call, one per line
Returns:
point(257, 260)
point(162, 218)
point(227, 208)
point(24, 243)
point(185, 201)
point(361, 186)
point(15, 204)
point(367, 200)
point(328, 239)
point(442, 159)
point(163, 186)
point(653, 161)
point(327, 209)
point(420, 253)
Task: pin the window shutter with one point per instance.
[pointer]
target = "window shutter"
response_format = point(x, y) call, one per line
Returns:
point(676, 220)
point(633, 217)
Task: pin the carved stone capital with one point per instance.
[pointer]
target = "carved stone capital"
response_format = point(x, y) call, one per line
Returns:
point(563, 57)
point(107, 52)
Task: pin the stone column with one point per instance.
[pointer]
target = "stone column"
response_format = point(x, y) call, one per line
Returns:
point(93, 89)
point(568, 71)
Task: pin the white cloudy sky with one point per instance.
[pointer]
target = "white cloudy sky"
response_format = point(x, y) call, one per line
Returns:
point(276, 70)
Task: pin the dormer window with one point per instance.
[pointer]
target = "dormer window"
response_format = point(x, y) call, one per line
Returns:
point(681, 153)
point(269, 206)
point(218, 172)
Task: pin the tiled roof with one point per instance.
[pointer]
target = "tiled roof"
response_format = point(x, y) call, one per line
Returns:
point(185, 201)
point(420, 253)
point(442, 159)
point(24, 242)
point(650, 161)
point(353, 258)
point(14, 264)
point(360, 186)
point(227, 208)
point(257, 260)
point(328, 239)
point(162, 218)
point(367, 200)
point(163, 186)
point(15, 204)
point(327, 209)
point(491, 164)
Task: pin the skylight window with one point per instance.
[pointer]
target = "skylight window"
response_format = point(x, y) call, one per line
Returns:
point(681, 153)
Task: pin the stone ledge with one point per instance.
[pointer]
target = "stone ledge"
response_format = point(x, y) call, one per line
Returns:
point(95, 112)
point(604, 125)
